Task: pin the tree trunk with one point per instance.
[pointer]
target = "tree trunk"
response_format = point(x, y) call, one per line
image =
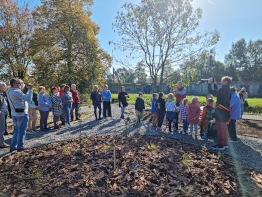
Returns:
point(161, 79)
point(155, 80)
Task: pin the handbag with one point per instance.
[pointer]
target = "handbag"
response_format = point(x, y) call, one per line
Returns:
point(221, 113)
point(246, 104)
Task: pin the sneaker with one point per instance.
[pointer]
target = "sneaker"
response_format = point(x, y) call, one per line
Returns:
point(70, 126)
point(159, 129)
point(226, 146)
point(12, 149)
point(183, 133)
point(31, 132)
point(22, 149)
point(154, 126)
point(195, 137)
point(35, 130)
point(4, 146)
point(218, 147)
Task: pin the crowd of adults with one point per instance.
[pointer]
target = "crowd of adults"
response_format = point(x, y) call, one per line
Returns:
point(63, 102)
point(19, 104)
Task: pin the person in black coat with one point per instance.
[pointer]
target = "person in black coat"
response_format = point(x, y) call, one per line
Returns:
point(97, 99)
point(122, 100)
point(161, 110)
point(139, 105)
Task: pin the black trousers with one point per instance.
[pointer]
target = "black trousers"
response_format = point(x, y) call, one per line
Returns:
point(106, 107)
point(232, 130)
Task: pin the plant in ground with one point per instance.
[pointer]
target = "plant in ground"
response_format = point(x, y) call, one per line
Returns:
point(63, 143)
point(204, 148)
point(186, 161)
point(187, 192)
point(220, 155)
point(151, 146)
point(107, 147)
point(67, 151)
point(37, 175)
point(128, 119)
point(22, 154)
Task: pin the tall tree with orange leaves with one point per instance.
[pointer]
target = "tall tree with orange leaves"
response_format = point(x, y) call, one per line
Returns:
point(65, 47)
point(16, 28)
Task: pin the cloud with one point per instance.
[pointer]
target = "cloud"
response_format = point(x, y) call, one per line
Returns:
point(209, 1)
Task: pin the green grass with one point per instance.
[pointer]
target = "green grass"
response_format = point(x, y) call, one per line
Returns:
point(255, 104)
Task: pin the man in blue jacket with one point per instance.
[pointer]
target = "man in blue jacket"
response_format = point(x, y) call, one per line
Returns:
point(235, 105)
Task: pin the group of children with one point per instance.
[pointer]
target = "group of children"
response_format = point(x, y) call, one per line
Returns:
point(189, 114)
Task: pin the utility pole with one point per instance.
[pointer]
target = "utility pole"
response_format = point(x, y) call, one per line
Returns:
point(113, 67)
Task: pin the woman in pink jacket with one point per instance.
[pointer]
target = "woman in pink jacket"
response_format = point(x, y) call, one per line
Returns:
point(193, 112)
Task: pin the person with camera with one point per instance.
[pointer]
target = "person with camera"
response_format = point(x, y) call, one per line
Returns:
point(243, 95)
point(222, 111)
point(3, 112)
point(19, 111)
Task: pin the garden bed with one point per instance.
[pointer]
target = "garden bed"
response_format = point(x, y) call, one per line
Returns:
point(85, 167)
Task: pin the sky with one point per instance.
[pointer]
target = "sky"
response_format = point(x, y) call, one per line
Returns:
point(235, 19)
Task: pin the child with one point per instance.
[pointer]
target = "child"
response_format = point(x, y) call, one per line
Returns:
point(139, 105)
point(122, 101)
point(154, 121)
point(161, 109)
point(193, 112)
point(171, 115)
point(183, 114)
point(207, 116)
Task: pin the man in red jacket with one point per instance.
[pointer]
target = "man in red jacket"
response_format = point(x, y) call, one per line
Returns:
point(75, 105)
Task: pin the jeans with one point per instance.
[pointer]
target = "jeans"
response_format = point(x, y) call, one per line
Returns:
point(99, 108)
point(242, 110)
point(160, 115)
point(75, 106)
point(222, 133)
point(43, 119)
point(106, 107)
point(2, 128)
point(20, 124)
point(68, 110)
point(123, 111)
point(191, 128)
point(232, 130)
point(185, 125)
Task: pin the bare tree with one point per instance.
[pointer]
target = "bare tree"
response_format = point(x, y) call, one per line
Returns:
point(159, 30)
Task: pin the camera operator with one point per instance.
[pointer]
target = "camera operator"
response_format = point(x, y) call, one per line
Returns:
point(222, 110)
point(242, 95)
point(19, 110)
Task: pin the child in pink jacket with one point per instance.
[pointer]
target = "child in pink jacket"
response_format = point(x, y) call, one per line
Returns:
point(193, 112)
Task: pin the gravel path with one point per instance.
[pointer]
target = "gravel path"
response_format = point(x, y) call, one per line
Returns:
point(248, 149)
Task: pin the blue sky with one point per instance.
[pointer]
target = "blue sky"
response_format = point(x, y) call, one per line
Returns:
point(235, 19)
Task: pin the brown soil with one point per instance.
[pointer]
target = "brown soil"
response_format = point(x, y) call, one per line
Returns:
point(88, 170)
point(250, 127)
point(244, 127)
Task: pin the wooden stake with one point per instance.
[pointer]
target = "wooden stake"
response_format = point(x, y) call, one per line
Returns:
point(114, 158)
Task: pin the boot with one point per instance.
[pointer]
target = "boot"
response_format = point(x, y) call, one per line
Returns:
point(204, 136)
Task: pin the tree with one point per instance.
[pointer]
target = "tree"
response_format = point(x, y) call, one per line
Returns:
point(16, 29)
point(238, 58)
point(161, 30)
point(124, 75)
point(65, 47)
point(140, 73)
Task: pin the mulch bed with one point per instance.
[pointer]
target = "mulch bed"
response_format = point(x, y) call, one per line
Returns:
point(85, 167)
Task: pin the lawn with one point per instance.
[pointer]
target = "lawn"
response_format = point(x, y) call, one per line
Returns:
point(255, 104)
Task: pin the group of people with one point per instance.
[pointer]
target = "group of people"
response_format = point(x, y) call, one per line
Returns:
point(22, 109)
point(62, 102)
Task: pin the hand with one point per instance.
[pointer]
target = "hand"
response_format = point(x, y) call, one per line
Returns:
point(210, 80)
point(50, 106)
point(71, 101)
point(126, 95)
point(29, 86)
point(104, 97)
point(120, 103)
point(60, 105)
point(36, 107)
point(214, 82)
point(0, 112)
